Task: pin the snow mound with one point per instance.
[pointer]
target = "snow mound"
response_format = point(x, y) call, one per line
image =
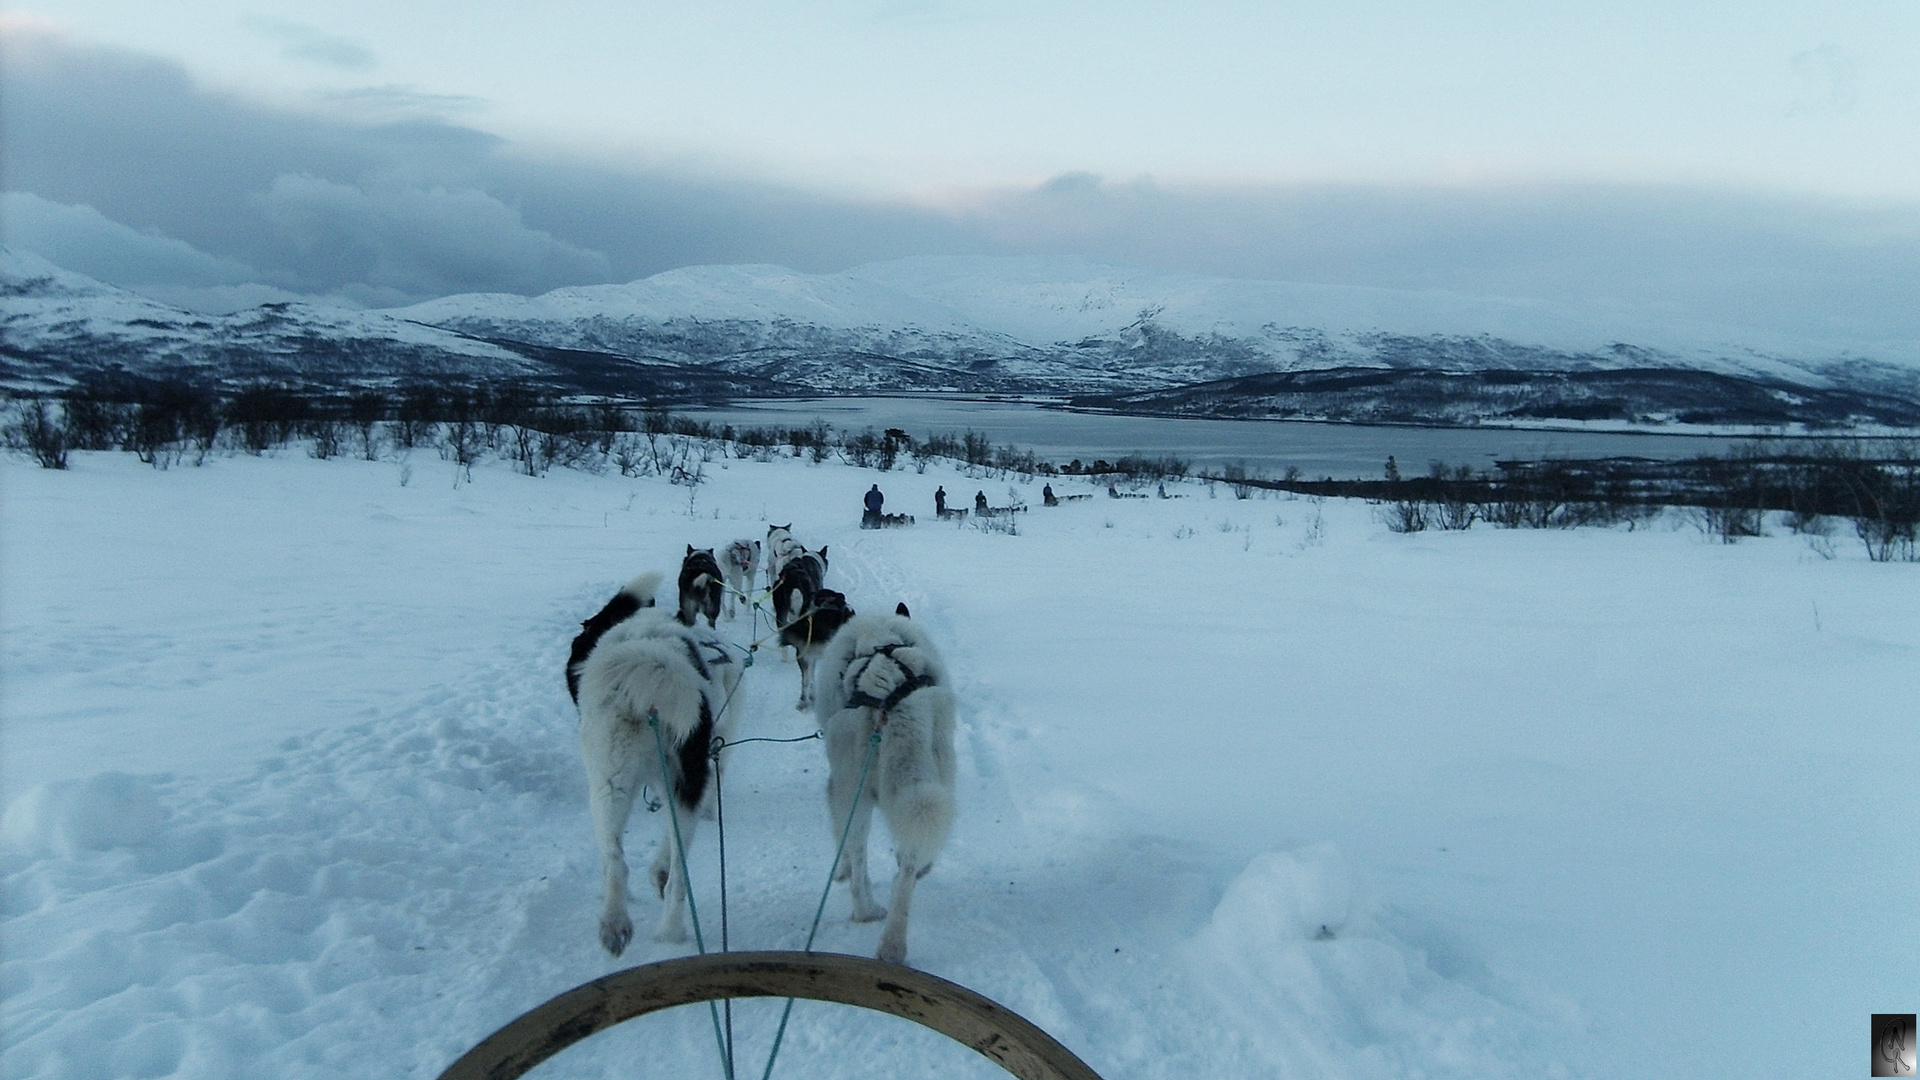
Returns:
point(100, 813)
point(1296, 950)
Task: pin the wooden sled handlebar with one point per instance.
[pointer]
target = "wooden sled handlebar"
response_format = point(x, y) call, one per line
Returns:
point(975, 1021)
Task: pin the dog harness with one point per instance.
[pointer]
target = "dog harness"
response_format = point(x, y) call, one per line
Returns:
point(860, 699)
point(702, 663)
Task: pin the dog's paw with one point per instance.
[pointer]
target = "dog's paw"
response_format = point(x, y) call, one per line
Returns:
point(615, 932)
point(671, 932)
point(892, 952)
point(870, 913)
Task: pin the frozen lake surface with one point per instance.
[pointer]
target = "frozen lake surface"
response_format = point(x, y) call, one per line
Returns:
point(1342, 451)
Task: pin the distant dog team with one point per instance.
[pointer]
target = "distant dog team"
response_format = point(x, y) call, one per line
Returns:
point(655, 691)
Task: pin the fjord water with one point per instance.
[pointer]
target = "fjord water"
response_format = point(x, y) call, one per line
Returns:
point(1342, 451)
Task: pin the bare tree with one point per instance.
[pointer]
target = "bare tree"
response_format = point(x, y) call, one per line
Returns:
point(40, 430)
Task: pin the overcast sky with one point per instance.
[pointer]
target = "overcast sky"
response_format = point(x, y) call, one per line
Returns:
point(1755, 164)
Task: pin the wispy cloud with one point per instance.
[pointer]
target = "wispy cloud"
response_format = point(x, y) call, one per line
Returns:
point(298, 41)
point(1825, 79)
point(395, 101)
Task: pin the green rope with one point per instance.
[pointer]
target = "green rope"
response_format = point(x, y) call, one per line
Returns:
point(860, 789)
point(720, 826)
point(679, 844)
point(798, 738)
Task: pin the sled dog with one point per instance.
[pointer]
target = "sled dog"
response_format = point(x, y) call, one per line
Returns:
point(700, 586)
point(650, 667)
point(739, 561)
point(807, 613)
point(633, 596)
point(880, 673)
point(781, 548)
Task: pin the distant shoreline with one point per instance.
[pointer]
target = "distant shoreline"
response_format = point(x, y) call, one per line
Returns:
point(1061, 403)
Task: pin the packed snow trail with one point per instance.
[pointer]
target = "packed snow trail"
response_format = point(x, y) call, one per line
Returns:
point(1247, 789)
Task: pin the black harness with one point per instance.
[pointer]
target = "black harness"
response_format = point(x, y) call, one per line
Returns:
point(860, 699)
point(704, 664)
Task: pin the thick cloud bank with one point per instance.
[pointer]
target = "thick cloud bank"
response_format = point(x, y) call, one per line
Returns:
point(127, 170)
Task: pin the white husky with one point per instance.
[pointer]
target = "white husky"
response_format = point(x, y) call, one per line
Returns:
point(781, 548)
point(879, 674)
point(649, 667)
point(738, 562)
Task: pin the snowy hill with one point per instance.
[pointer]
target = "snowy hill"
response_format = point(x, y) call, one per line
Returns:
point(58, 324)
point(1110, 336)
point(1077, 317)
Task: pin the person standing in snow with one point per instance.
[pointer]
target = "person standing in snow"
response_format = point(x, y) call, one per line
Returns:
point(940, 501)
point(875, 501)
point(980, 504)
point(1046, 496)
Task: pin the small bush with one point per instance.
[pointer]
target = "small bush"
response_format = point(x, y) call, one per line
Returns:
point(42, 432)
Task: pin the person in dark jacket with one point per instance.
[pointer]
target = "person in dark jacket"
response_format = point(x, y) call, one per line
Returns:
point(980, 503)
point(1046, 496)
point(875, 501)
point(940, 501)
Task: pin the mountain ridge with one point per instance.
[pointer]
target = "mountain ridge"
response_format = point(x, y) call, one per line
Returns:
point(1104, 334)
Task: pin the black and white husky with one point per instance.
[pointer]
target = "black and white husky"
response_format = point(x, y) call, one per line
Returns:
point(880, 673)
point(807, 613)
point(643, 669)
point(632, 597)
point(700, 586)
point(738, 562)
point(781, 549)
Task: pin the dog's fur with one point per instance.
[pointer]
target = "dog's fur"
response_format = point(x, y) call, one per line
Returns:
point(700, 586)
point(739, 561)
point(881, 670)
point(635, 596)
point(650, 664)
point(807, 613)
point(781, 548)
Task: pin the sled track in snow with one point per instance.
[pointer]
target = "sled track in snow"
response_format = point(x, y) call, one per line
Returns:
point(987, 1027)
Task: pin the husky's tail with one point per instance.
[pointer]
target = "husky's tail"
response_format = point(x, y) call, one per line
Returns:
point(642, 588)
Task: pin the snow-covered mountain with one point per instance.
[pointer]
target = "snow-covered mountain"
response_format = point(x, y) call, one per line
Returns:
point(57, 324)
point(1106, 335)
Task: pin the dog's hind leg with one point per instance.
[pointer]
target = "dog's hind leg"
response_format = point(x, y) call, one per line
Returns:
point(893, 939)
point(662, 865)
point(843, 774)
point(673, 883)
point(920, 819)
point(612, 781)
point(806, 681)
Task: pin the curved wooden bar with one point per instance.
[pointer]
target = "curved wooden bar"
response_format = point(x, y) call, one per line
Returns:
point(948, 1008)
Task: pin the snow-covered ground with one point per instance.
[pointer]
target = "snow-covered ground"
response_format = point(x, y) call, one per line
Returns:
point(292, 787)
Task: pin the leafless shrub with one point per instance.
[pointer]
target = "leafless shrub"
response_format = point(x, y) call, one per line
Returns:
point(1239, 479)
point(40, 430)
